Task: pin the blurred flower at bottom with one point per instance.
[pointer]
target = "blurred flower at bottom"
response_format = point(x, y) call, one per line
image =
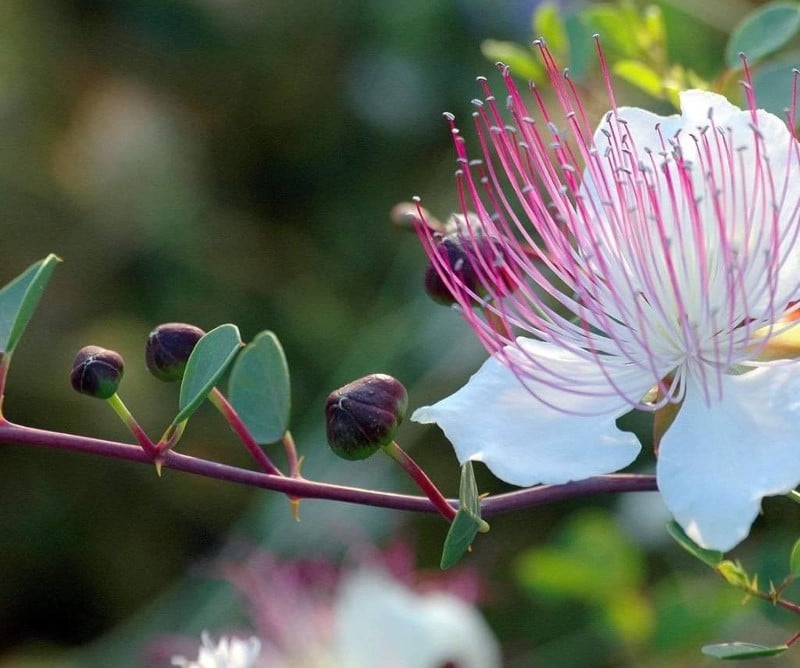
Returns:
point(311, 614)
point(228, 653)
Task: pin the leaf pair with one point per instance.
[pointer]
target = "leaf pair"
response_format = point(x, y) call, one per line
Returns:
point(258, 387)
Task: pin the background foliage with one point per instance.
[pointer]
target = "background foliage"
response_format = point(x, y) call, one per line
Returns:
point(211, 161)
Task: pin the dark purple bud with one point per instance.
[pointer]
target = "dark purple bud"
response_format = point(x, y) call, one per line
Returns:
point(97, 372)
point(476, 265)
point(364, 415)
point(168, 349)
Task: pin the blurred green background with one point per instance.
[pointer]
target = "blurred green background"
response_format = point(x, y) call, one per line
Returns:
point(219, 161)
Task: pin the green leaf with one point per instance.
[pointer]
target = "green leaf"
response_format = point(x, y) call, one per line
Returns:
point(460, 536)
point(467, 522)
point(210, 358)
point(794, 560)
point(641, 76)
point(762, 32)
point(709, 557)
point(259, 388)
point(733, 573)
point(734, 651)
point(468, 490)
point(18, 300)
point(519, 58)
point(772, 83)
point(548, 25)
point(468, 496)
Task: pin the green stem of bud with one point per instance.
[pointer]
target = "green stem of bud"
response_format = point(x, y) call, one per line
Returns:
point(421, 479)
point(240, 429)
point(133, 426)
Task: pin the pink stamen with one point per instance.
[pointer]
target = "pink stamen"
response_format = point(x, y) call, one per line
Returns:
point(620, 253)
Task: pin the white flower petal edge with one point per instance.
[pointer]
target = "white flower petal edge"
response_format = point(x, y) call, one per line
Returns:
point(496, 420)
point(717, 462)
point(381, 623)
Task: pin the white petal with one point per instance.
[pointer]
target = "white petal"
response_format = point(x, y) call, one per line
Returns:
point(716, 463)
point(697, 104)
point(642, 130)
point(776, 147)
point(524, 441)
point(381, 623)
point(747, 265)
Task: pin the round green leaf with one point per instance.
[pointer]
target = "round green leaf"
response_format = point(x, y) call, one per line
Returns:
point(734, 651)
point(210, 358)
point(19, 298)
point(763, 32)
point(259, 388)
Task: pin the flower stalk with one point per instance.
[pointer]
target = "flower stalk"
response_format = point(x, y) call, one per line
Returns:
point(119, 407)
point(11, 434)
point(219, 401)
point(397, 454)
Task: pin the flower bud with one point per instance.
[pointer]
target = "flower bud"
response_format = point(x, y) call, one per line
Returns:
point(97, 372)
point(461, 254)
point(364, 415)
point(168, 349)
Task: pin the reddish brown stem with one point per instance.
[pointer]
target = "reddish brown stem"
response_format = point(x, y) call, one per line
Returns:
point(11, 433)
point(254, 448)
point(421, 479)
